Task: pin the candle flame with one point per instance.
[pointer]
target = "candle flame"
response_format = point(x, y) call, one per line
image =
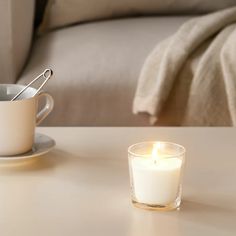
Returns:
point(156, 152)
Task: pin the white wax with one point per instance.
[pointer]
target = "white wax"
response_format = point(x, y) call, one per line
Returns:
point(156, 183)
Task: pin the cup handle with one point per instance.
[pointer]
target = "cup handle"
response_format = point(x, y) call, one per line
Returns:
point(47, 108)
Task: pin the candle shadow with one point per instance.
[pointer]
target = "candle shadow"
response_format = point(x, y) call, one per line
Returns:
point(219, 217)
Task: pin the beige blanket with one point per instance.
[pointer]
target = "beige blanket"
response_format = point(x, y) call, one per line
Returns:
point(190, 78)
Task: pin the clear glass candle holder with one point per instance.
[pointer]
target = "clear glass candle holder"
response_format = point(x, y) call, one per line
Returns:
point(156, 171)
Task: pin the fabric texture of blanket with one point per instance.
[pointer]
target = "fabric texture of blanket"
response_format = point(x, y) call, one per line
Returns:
point(190, 78)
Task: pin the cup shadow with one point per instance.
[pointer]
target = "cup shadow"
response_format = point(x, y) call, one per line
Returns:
point(50, 160)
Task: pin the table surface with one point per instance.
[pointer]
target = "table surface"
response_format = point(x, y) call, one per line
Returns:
point(82, 186)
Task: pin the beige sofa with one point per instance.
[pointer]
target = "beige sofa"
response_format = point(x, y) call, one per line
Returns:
point(96, 64)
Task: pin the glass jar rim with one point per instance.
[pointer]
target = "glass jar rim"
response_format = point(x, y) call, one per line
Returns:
point(180, 153)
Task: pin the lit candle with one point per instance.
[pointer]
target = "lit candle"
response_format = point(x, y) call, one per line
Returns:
point(156, 176)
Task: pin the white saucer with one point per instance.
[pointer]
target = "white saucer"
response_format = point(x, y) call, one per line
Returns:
point(42, 145)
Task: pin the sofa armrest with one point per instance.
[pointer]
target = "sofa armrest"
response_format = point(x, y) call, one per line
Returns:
point(16, 27)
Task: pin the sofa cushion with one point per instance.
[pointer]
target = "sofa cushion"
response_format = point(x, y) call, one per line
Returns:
point(96, 68)
point(60, 12)
point(16, 24)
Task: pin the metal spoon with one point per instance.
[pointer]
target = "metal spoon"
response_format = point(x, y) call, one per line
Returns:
point(46, 75)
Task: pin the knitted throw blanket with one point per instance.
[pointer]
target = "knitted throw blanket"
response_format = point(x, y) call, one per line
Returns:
point(192, 75)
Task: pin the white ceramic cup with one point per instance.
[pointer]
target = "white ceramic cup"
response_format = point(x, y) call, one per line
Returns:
point(18, 118)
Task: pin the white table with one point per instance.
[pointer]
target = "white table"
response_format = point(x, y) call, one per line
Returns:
point(82, 187)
